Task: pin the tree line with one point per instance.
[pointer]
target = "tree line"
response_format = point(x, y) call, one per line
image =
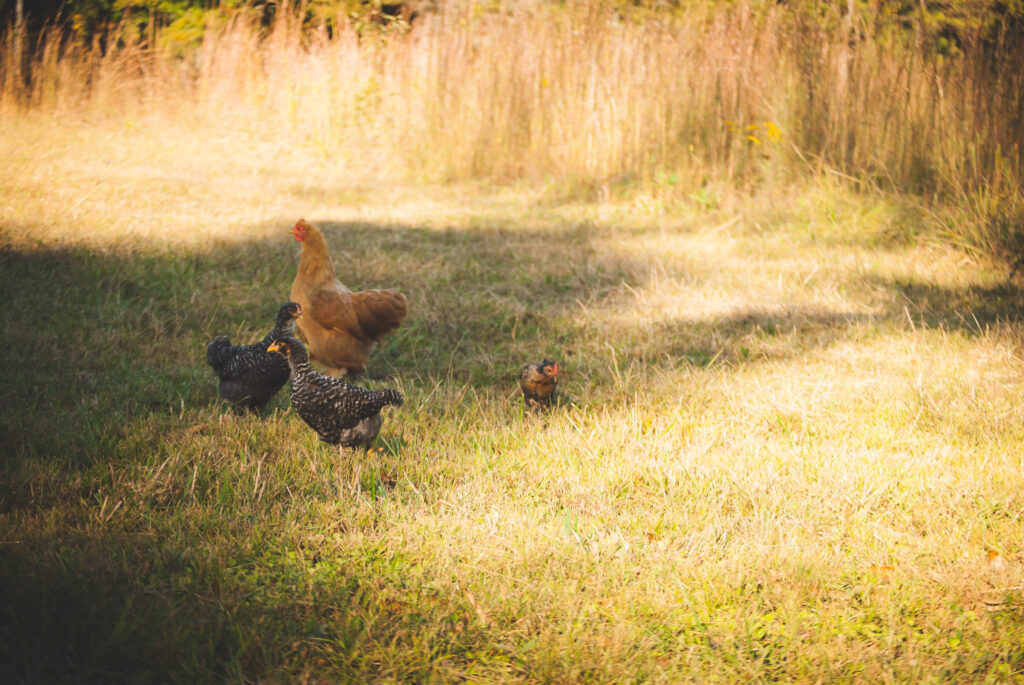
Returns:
point(948, 24)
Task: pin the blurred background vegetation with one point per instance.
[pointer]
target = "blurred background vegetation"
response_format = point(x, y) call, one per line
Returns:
point(945, 24)
point(688, 100)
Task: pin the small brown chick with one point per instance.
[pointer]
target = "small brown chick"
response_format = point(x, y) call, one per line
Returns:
point(538, 382)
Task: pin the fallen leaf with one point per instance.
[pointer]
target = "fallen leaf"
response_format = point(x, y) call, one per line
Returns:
point(198, 428)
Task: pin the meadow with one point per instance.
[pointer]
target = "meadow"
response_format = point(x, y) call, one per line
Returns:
point(788, 447)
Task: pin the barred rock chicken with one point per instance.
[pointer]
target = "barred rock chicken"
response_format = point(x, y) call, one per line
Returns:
point(249, 375)
point(538, 382)
point(340, 326)
point(341, 414)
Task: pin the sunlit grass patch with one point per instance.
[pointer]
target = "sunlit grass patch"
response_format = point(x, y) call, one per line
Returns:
point(782, 451)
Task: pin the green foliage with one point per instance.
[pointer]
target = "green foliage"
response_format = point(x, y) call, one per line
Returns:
point(186, 31)
point(946, 25)
point(183, 20)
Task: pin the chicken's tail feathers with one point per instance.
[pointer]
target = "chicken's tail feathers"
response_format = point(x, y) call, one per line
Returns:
point(379, 311)
point(218, 352)
point(393, 397)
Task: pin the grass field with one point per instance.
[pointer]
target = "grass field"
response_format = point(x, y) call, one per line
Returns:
point(790, 445)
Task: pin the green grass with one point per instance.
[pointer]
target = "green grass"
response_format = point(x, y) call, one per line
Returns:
point(790, 446)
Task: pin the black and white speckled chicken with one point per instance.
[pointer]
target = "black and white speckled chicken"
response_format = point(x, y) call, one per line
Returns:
point(341, 414)
point(249, 375)
point(363, 434)
point(538, 382)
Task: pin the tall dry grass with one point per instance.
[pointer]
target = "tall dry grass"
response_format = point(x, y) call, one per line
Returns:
point(578, 94)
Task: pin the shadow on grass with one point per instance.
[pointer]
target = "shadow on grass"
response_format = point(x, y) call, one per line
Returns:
point(750, 336)
point(132, 608)
point(753, 335)
point(105, 356)
point(97, 339)
point(970, 308)
point(97, 343)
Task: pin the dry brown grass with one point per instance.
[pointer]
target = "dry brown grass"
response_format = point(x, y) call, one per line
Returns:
point(790, 451)
point(577, 95)
point(790, 447)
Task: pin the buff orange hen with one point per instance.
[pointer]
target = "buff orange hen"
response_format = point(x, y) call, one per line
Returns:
point(340, 326)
